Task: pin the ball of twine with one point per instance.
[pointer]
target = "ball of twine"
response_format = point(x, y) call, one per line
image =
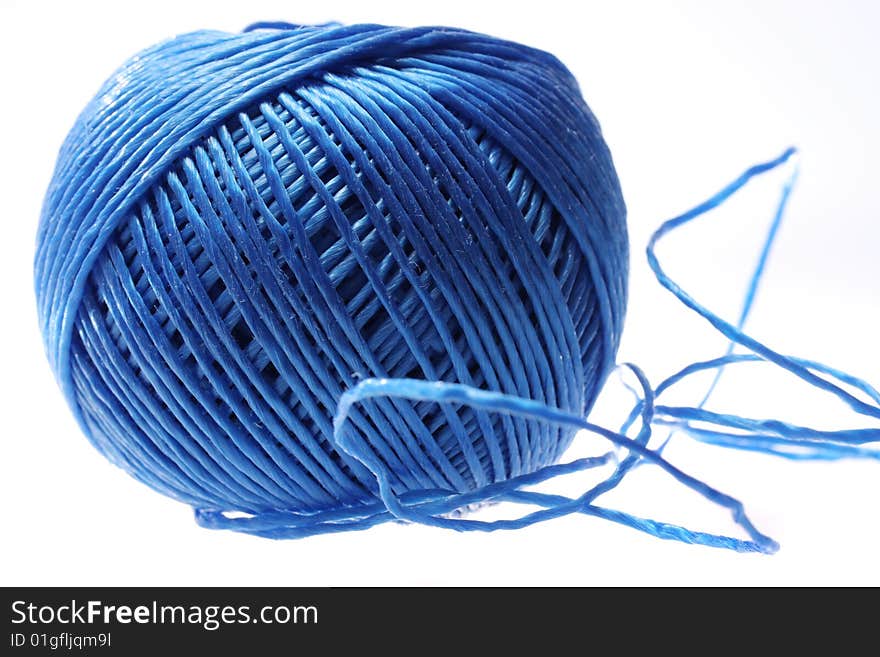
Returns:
point(242, 226)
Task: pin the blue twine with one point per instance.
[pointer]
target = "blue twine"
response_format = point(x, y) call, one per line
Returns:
point(325, 277)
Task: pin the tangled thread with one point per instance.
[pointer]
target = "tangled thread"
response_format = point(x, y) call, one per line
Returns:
point(330, 276)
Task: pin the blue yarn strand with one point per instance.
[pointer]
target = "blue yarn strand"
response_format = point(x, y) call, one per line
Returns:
point(752, 288)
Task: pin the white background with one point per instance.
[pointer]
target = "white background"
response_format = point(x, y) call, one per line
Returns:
point(688, 94)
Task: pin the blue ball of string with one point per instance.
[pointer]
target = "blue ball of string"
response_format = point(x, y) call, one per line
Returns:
point(242, 226)
point(328, 276)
